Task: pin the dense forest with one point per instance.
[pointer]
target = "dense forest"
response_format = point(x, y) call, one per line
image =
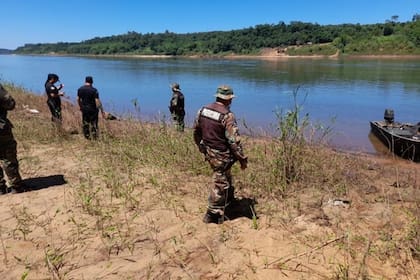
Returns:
point(295, 38)
point(5, 51)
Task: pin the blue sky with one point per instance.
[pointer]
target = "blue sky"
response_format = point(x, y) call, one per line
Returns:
point(51, 21)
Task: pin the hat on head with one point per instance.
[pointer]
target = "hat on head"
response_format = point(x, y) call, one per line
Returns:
point(175, 87)
point(53, 76)
point(225, 92)
point(89, 79)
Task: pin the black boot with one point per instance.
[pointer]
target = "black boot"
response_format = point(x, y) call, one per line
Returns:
point(20, 188)
point(3, 190)
point(230, 195)
point(212, 218)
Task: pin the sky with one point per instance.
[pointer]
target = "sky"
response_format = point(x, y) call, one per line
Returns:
point(52, 21)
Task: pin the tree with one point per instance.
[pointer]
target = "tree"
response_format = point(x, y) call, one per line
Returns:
point(345, 37)
point(394, 18)
point(388, 30)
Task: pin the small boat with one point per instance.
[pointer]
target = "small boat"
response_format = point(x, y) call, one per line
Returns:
point(402, 139)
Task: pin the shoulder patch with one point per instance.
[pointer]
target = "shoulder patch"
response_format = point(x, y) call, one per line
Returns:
point(211, 114)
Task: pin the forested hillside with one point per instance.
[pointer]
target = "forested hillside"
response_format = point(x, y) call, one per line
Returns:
point(5, 51)
point(391, 37)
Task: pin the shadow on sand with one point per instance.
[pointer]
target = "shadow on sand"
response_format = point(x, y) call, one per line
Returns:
point(241, 207)
point(39, 183)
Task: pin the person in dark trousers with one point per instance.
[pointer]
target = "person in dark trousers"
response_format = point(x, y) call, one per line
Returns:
point(53, 94)
point(90, 105)
point(8, 158)
point(176, 107)
point(217, 137)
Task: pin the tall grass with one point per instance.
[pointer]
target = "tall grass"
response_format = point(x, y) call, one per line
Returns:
point(296, 158)
point(290, 161)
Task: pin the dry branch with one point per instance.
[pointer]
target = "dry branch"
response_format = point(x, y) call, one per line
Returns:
point(307, 252)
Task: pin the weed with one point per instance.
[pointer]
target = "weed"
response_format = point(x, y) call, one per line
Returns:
point(24, 275)
point(25, 221)
point(88, 198)
point(3, 246)
point(412, 235)
point(254, 218)
point(342, 272)
point(54, 259)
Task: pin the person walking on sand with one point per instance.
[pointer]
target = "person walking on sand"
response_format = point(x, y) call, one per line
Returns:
point(217, 137)
point(90, 105)
point(53, 94)
point(176, 107)
point(10, 164)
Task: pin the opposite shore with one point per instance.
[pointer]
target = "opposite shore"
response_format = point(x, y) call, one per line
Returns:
point(268, 53)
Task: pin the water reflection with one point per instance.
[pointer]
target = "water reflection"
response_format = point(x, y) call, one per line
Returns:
point(378, 146)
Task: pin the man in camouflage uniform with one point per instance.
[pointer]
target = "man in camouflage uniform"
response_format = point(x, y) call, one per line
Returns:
point(8, 147)
point(217, 137)
point(176, 107)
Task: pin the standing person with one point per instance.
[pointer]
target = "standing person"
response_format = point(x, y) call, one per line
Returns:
point(217, 137)
point(53, 94)
point(8, 147)
point(176, 107)
point(90, 104)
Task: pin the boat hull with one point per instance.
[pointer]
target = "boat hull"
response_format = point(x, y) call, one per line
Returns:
point(401, 139)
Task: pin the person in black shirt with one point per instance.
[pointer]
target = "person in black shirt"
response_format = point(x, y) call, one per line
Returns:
point(53, 94)
point(89, 103)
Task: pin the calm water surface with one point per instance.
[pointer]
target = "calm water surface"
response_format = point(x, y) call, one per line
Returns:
point(350, 92)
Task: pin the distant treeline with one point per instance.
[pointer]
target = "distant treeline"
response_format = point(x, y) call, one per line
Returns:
point(391, 37)
point(5, 51)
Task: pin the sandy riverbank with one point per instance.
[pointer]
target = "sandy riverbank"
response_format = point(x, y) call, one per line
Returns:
point(130, 206)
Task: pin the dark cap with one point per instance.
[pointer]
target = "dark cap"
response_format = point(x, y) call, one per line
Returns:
point(53, 76)
point(89, 79)
point(175, 87)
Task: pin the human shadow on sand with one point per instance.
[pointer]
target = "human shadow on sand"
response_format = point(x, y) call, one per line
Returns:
point(241, 207)
point(39, 183)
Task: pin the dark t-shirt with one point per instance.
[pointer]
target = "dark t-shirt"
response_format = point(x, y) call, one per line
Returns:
point(50, 88)
point(87, 95)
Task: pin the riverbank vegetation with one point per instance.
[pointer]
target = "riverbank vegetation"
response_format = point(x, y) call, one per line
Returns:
point(295, 38)
point(132, 202)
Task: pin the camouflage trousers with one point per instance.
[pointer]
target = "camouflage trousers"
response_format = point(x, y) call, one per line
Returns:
point(178, 122)
point(10, 164)
point(222, 192)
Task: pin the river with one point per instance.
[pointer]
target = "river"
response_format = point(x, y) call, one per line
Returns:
point(344, 94)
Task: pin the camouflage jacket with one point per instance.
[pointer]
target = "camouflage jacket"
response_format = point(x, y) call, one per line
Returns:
point(176, 105)
point(215, 127)
point(7, 103)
